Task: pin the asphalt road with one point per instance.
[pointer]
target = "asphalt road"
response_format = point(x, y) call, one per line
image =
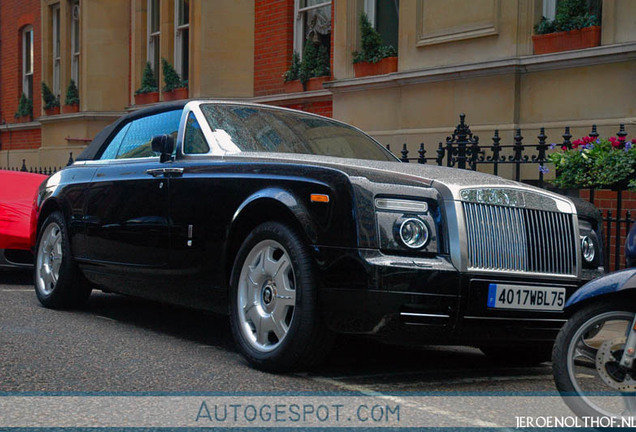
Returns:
point(120, 344)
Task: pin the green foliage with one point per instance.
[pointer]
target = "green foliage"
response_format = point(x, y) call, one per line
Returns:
point(373, 50)
point(72, 94)
point(309, 62)
point(25, 107)
point(50, 101)
point(148, 81)
point(293, 72)
point(570, 15)
point(596, 164)
point(171, 78)
point(322, 61)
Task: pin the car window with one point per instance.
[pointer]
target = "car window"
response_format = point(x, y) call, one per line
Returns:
point(194, 142)
point(133, 141)
point(113, 147)
point(239, 128)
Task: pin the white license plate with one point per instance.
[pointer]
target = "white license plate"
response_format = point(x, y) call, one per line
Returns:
point(501, 296)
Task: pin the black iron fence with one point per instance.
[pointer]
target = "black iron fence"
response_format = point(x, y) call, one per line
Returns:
point(463, 150)
point(50, 170)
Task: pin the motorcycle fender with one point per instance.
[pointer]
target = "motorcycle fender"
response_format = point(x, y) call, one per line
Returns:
point(609, 284)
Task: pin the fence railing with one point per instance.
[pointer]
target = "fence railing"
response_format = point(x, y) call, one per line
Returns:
point(463, 150)
point(50, 170)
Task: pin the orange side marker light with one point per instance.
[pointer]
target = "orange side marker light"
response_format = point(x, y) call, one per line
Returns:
point(319, 198)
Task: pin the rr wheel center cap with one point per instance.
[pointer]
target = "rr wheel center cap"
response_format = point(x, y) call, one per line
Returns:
point(268, 295)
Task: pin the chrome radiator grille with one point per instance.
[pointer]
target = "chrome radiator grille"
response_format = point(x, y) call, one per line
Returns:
point(519, 239)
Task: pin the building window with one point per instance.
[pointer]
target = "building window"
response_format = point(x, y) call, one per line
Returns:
point(384, 15)
point(27, 62)
point(153, 35)
point(55, 40)
point(75, 42)
point(182, 38)
point(313, 23)
point(550, 8)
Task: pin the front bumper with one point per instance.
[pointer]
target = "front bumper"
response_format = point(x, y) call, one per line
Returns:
point(425, 301)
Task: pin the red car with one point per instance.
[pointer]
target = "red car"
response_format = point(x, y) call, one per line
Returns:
point(17, 233)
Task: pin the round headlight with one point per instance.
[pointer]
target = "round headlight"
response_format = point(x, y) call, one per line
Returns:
point(588, 248)
point(413, 233)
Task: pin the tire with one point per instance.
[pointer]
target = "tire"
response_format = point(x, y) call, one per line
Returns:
point(58, 282)
point(273, 296)
point(584, 360)
point(525, 355)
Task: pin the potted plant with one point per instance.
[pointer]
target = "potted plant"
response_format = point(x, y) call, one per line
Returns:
point(314, 67)
point(175, 88)
point(51, 103)
point(292, 75)
point(148, 92)
point(71, 102)
point(374, 58)
point(596, 163)
point(310, 73)
point(572, 28)
point(25, 110)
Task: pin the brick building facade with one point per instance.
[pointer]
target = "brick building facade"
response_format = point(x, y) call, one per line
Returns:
point(20, 72)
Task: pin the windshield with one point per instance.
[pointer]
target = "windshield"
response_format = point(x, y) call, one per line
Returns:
point(239, 128)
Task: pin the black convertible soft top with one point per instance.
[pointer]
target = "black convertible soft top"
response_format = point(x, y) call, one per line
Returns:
point(94, 149)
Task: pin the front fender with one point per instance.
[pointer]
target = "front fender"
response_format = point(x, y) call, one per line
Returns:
point(609, 284)
point(286, 199)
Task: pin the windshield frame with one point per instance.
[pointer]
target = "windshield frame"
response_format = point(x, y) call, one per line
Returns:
point(217, 149)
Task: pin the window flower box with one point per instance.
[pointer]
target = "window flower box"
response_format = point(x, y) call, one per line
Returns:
point(68, 109)
point(316, 83)
point(52, 111)
point(23, 119)
point(294, 86)
point(176, 94)
point(385, 66)
point(146, 98)
point(587, 37)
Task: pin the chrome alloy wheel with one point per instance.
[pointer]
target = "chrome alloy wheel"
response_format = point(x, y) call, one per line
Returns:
point(49, 259)
point(266, 295)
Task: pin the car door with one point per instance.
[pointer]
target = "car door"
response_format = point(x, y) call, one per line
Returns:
point(127, 223)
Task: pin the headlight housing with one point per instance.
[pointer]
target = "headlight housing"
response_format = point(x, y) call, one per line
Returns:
point(590, 245)
point(407, 225)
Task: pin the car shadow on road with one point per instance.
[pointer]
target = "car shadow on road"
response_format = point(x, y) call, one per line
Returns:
point(16, 277)
point(351, 357)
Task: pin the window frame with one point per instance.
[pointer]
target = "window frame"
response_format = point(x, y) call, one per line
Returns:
point(180, 31)
point(549, 9)
point(153, 45)
point(75, 42)
point(27, 52)
point(56, 57)
point(299, 23)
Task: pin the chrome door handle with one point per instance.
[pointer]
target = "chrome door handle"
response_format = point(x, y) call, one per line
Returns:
point(166, 172)
point(173, 172)
point(155, 172)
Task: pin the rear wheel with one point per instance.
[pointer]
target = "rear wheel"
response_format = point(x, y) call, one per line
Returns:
point(274, 314)
point(58, 282)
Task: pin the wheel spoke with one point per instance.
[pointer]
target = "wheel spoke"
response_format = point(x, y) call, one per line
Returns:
point(251, 313)
point(585, 351)
point(262, 330)
point(278, 325)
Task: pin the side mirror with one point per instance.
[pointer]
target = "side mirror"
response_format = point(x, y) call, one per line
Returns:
point(164, 145)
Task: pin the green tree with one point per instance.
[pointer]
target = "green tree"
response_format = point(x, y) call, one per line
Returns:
point(72, 94)
point(148, 81)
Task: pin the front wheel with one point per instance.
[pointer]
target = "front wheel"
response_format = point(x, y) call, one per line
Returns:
point(274, 312)
point(58, 282)
point(586, 361)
